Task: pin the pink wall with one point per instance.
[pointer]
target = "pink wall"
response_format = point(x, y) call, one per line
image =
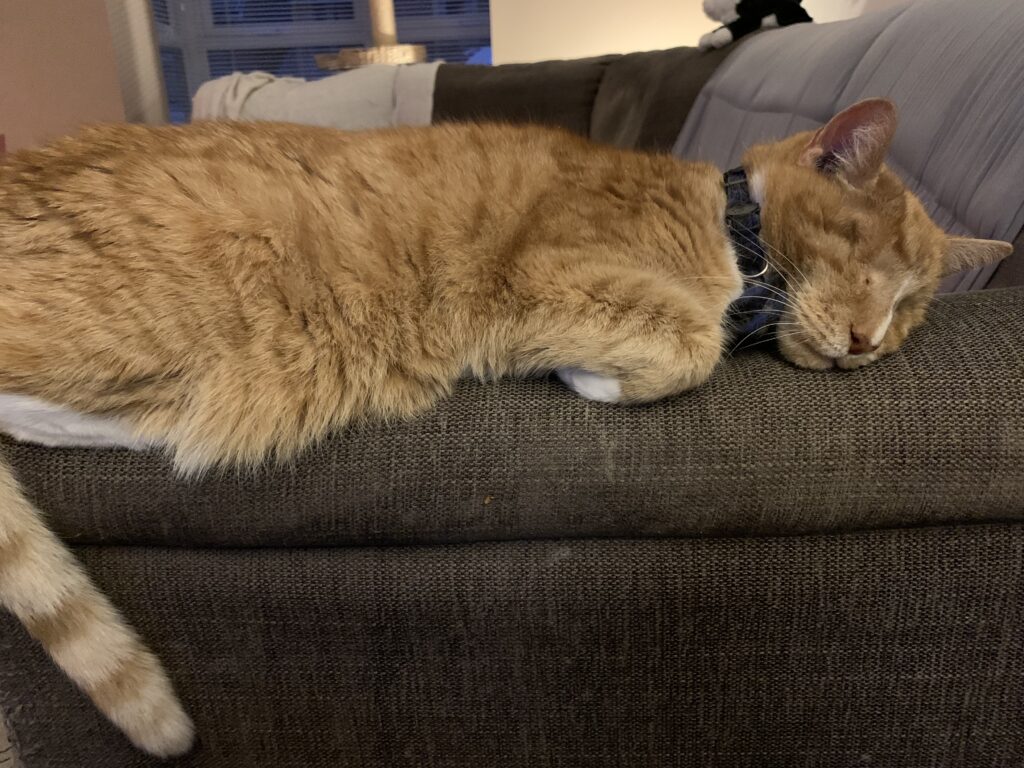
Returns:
point(57, 69)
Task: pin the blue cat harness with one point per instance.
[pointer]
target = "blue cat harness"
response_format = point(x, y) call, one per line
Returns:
point(763, 296)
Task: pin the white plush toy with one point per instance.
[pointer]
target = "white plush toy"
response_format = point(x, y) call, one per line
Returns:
point(741, 17)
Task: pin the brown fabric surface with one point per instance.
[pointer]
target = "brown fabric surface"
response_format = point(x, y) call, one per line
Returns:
point(644, 98)
point(8, 754)
point(902, 649)
point(1011, 271)
point(934, 434)
point(558, 93)
point(639, 100)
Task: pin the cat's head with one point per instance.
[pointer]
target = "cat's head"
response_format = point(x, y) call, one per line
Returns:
point(860, 256)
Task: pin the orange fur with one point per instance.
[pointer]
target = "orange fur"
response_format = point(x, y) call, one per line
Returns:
point(860, 256)
point(235, 291)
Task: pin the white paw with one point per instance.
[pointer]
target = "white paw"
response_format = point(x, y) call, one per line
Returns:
point(719, 38)
point(770, 22)
point(592, 386)
point(853, 362)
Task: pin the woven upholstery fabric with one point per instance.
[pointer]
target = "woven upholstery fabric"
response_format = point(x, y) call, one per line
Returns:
point(635, 101)
point(1011, 271)
point(556, 93)
point(899, 648)
point(645, 97)
point(932, 434)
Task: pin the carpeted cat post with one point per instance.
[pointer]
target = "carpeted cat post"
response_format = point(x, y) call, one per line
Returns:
point(386, 48)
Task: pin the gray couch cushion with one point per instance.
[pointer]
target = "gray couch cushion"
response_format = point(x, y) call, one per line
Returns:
point(1011, 271)
point(933, 434)
point(955, 69)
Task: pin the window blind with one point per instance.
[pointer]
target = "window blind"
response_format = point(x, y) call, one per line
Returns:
point(226, 13)
point(293, 61)
point(203, 39)
point(441, 7)
point(179, 101)
point(459, 51)
point(160, 12)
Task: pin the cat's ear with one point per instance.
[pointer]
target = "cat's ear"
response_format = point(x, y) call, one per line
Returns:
point(967, 253)
point(854, 143)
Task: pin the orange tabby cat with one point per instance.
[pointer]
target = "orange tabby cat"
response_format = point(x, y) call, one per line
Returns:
point(235, 291)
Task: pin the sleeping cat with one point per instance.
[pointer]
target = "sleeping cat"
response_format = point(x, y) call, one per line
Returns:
point(231, 292)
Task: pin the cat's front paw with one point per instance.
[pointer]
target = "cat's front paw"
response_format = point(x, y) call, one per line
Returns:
point(853, 362)
point(592, 386)
point(718, 38)
point(802, 356)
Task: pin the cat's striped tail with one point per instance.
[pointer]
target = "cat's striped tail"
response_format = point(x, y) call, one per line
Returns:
point(43, 585)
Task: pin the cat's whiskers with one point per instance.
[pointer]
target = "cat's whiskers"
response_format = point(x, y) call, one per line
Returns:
point(739, 345)
point(748, 249)
point(746, 312)
point(751, 251)
point(779, 296)
point(777, 252)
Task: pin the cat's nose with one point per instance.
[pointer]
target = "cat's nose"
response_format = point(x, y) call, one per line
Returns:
point(860, 342)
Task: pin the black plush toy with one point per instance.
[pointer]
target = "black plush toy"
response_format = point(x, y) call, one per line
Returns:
point(741, 17)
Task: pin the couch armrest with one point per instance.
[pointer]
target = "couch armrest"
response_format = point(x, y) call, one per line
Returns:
point(933, 434)
point(1011, 271)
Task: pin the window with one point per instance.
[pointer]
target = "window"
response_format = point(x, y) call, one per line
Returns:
point(203, 39)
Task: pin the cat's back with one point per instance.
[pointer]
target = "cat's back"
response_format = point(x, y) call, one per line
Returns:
point(223, 209)
point(234, 252)
point(153, 159)
point(217, 171)
point(130, 180)
point(215, 165)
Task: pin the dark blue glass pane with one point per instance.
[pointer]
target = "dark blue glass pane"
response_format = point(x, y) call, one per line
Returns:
point(179, 104)
point(283, 62)
point(228, 12)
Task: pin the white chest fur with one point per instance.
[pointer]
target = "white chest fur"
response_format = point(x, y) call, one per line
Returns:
point(31, 420)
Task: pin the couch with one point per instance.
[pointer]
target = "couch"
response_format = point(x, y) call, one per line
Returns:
point(781, 568)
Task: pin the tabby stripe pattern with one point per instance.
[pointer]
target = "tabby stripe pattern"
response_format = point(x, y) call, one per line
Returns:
point(48, 591)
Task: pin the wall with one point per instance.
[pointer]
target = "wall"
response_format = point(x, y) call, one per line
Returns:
point(823, 11)
point(534, 30)
point(57, 69)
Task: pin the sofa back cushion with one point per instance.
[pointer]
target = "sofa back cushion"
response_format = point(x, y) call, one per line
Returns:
point(557, 93)
point(644, 98)
point(954, 69)
point(635, 101)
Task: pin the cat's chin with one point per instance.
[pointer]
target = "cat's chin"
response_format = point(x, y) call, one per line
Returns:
point(853, 362)
point(802, 356)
